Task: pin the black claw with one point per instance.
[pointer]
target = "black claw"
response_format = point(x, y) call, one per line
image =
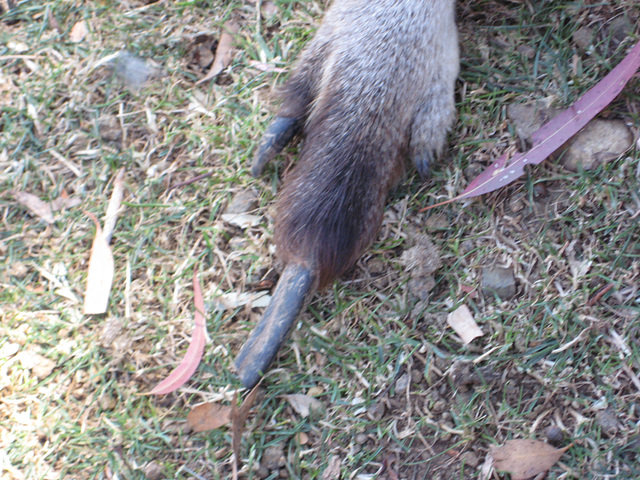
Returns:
point(423, 164)
point(271, 331)
point(278, 134)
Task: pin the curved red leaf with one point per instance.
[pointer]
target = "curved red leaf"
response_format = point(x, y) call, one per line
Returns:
point(551, 136)
point(192, 358)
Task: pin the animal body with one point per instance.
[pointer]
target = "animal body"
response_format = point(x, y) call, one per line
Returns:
point(374, 87)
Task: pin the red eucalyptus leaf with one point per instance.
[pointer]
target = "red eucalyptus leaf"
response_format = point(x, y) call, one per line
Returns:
point(551, 136)
point(192, 358)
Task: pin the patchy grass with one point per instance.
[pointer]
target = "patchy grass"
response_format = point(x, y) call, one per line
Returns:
point(401, 395)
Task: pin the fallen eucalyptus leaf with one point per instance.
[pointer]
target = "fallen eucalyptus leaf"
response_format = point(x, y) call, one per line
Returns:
point(524, 459)
point(192, 358)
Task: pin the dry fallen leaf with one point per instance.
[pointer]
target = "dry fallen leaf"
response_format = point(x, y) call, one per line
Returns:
point(238, 419)
point(461, 320)
point(209, 416)
point(555, 133)
point(191, 359)
point(332, 472)
point(114, 205)
point(78, 32)
point(304, 404)
point(101, 264)
point(40, 366)
point(233, 300)
point(64, 201)
point(224, 52)
point(266, 67)
point(37, 207)
point(524, 459)
point(242, 220)
point(100, 274)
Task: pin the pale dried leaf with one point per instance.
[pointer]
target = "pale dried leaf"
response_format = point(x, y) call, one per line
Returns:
point(266, 67)
point(64, 201)
point(78, 32)
point(461, 320)
point(241, 220)
point(524, 459)
point(114, 205)
point(233, 300)
point(100, 274)
point(304, 404)
point(40, 366)
point(487, 468)
point(224, 52)
point(332, 472)
point(37, 207)
point(209, 416)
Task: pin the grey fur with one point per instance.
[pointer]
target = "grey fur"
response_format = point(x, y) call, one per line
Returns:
point(374, 86)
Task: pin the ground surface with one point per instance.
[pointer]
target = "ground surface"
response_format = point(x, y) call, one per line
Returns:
point(401, 396)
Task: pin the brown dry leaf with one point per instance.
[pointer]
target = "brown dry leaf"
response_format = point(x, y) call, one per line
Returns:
point(100, 274)
point(224, 52)
point(266, 67)
point(64, 201)
point(332, 472)
point(114, 205)
point(40, 366)
point(304, 404)
point(78, 32)
point(461, 320)
point(238, 419)
point(209, 416)
point(524, 459)
point(40, 209)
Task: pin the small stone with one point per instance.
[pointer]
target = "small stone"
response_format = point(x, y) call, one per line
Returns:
point(472, 171)
point(516, 204)
point(315, 391)
point(153, 471)
point(529, 118)
point(376, 411)
point(242, 202)
point(18, 270)
point(106, 401)
point(620, 29)
point(607, 422)
point(402, 383)
point(134, 71)
point(498, 281)
point(111, 329)
point(554, 435)
point(598, 143)
point(303, 438)
point(439, 406)
point(273, 457)
point(471, 459)
point(583, 37)
point(109, 128)
point(40, 366)
point(262, 472)
point(361, 439)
